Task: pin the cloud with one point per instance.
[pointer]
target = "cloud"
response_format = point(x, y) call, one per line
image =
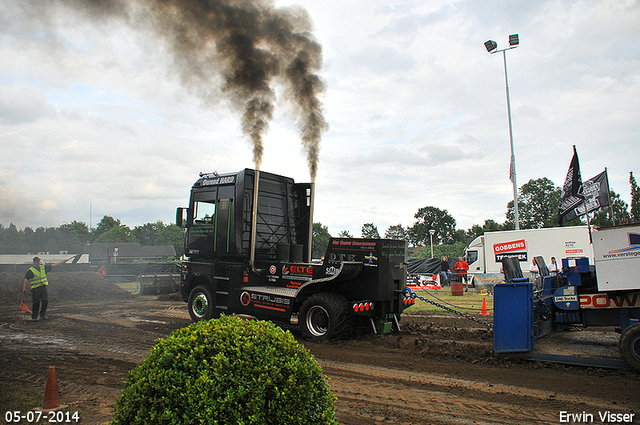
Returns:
point(416, 110)
point(22, 103)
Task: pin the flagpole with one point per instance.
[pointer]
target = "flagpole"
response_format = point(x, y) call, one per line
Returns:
point(586, 213)
point(613, 217)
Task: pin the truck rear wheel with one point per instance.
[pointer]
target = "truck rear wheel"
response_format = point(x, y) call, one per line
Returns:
point(324, 316)
point(200, 304)
point(630, 345)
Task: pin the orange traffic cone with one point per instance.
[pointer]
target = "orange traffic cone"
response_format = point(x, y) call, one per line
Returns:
point(51, 401)
point(484, 311)
point(23, 306)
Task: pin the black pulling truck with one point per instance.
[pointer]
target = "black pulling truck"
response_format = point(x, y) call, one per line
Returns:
point(248, 252)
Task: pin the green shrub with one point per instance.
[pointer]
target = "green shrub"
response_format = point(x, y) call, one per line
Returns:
point(226, 371)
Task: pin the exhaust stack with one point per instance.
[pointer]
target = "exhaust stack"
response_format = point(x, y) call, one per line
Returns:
point(254, 217)
point(312, 199)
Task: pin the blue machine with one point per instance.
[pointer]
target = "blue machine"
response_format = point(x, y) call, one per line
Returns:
point(513, 317)
point(525, 310)
point(522, 308)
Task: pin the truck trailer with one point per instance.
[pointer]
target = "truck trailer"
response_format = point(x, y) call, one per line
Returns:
point(485, 253)
point(248, 242)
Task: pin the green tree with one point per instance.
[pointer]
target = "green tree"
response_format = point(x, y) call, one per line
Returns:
point(475, 231)
point(71, 237)
point(635, 199)
point(320, 240)
point(13, 241)
point(396, 232)
point(171, 235)
point(117, 234)
point(106, 223)
point(453, 250)
point(537, 205)
point(491, 225)
point(369, 231)
point(344, 234)
point(147, 233)
point(619, 208)
point(432, 218)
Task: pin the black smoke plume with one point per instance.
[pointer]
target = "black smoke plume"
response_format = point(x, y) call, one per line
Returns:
point(246, 44)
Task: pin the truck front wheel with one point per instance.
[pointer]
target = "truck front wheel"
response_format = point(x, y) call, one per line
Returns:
point(200, 304)
point(323, 316)
point(630, 345)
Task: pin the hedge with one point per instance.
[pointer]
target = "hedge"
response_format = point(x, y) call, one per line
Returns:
point(227, 371)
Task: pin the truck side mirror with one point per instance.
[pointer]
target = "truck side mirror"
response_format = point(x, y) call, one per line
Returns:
point(181, 217)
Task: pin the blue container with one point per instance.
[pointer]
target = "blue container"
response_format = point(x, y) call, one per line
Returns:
point(513, 317)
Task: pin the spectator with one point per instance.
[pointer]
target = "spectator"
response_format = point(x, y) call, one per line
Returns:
point(461, 268)
point(553, 267)
point(533, 269)
point(445, 272)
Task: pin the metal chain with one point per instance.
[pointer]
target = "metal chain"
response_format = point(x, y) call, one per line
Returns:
point(449, 309)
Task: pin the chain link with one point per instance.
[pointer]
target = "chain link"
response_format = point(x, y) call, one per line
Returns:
point(449, 309)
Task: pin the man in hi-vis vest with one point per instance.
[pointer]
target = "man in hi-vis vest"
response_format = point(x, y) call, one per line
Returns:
point(36, 276)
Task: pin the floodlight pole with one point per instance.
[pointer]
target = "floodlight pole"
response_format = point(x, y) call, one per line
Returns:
point(512, 166)
point(431, 232)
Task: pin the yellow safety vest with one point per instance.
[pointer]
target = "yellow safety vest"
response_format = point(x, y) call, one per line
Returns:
point(39, 277)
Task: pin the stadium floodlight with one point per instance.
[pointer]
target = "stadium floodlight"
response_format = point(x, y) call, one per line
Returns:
point(492, 47)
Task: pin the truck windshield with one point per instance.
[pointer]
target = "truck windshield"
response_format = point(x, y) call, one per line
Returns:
point(204, 207)
point(472, 257)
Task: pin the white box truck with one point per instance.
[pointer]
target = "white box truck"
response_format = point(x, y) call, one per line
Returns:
point(617, 258)
point(484, 254)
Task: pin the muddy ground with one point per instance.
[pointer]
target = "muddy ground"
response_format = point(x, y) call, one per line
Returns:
point(438, 370)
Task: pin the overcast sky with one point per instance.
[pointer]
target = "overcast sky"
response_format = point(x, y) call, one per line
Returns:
point(95, 121)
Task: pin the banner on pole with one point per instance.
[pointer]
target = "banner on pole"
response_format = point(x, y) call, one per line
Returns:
point(596, 195)
point(571, 196)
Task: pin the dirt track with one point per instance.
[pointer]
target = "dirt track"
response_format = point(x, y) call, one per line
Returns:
point(438, 370)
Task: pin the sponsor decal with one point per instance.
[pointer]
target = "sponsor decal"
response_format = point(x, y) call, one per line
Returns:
point(294, 285)
point(272, 269)
point(297, 272)
point(330, 271)
point(366, 244)
point(370, 260)
point(518, 245)
point(265, 301)
point(302, 270)
point(341, 257)
point(219, 180)
point(633, 250)
point(521, 256)
point(631, 300)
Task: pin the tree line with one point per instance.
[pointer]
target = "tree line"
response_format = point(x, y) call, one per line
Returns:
point(71, 237)
point(538, 202)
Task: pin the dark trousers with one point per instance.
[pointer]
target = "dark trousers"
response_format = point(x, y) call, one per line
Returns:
point(40, 298)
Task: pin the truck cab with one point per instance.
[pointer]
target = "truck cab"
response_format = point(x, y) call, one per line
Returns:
point(248, 252)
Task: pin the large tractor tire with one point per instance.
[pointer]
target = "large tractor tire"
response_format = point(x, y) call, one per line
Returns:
point(324, 316)
point(201, 304)
point(630, 345)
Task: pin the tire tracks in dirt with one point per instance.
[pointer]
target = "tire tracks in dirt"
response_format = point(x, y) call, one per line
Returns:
point(433, 398)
